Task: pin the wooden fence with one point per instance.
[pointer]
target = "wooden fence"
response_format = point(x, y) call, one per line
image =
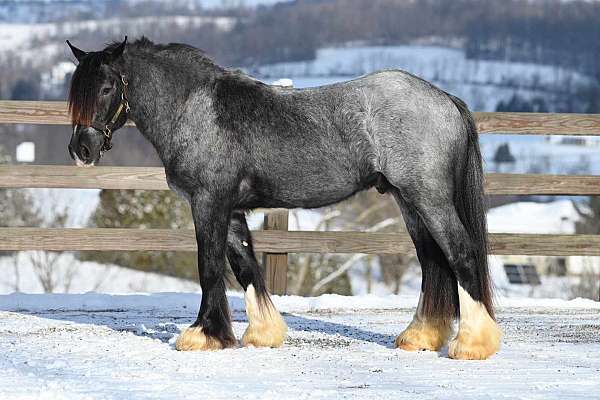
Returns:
point(275, 240)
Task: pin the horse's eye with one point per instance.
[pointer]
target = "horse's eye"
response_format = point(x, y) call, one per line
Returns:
point(106, 91)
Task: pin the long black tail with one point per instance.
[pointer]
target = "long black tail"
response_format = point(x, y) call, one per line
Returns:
point(469, 201)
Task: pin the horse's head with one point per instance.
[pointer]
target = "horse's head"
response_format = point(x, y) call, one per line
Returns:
point(98, 102)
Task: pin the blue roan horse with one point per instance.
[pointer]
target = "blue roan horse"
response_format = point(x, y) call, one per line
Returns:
point(230, 143)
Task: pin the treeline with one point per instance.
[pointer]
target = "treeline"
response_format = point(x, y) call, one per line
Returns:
point(553, 32)
point(549, 31)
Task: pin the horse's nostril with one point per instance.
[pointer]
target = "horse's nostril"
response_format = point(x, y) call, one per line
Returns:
point(85, 152)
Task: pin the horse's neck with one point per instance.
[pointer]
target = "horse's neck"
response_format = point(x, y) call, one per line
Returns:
point(156, 96)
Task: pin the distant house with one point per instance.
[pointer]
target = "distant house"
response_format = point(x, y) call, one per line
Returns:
point(574, 140)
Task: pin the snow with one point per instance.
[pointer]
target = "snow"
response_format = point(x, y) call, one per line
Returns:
point(283, 83)
point(26, 152)
point(94, 346)
point(70, 275)
point(430, 62)
point(171, 302)
point(78, 203)
point(246, 3)
point(481, 83)
point(16, 39)
point(557, 217)
point(535, 154)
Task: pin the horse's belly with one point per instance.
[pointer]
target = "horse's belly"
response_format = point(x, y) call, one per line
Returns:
point(310, 193)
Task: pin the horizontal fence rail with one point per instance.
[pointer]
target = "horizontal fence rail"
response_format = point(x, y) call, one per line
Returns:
point(119, 239)
point(35, 112)
point(276, 241)
point(55, 113)
point(72, 177)
point(153, 178)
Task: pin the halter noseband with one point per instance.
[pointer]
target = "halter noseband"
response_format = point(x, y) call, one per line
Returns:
point(108, 128)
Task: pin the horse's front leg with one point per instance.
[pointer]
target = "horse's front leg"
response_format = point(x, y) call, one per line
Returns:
point(212, 329)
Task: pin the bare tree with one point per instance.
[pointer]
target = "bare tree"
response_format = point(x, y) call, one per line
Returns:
point(51, 268)
point(314, 274)
point(588, 286)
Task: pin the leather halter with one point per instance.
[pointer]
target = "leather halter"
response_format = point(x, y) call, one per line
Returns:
point(108, 128)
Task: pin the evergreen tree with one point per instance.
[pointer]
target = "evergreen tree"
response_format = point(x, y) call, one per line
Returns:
point(144, 209)
point(26, 90)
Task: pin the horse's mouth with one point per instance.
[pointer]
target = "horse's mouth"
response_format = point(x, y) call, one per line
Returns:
point(80, 163)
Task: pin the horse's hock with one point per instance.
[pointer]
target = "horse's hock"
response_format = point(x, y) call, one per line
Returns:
point(275, 241)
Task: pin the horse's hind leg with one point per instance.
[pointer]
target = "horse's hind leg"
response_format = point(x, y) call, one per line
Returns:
point(478, 335)
point(431, 326)
point(266, 327)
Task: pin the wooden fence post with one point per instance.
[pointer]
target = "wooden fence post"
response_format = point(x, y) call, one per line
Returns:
point(276, 264)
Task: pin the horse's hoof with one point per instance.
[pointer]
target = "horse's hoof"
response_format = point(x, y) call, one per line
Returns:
point(420, 336)
point(271, 333)
point(266, 327)
point(476, 347)
point(193, 339)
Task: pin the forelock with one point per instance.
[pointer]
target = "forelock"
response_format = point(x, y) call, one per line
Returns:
point(82, 92)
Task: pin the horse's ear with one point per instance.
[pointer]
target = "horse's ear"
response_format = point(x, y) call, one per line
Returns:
point(118, 51)
point(79, 54)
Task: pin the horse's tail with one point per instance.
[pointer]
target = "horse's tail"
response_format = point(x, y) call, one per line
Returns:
point(469, 201)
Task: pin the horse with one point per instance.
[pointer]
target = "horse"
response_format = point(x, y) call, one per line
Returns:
point(230, 143)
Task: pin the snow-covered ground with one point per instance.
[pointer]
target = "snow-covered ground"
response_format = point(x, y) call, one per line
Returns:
point(121, 347)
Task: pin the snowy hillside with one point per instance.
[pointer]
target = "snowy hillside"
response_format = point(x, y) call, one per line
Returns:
point(39, 43)
point(482, 84)
point(39, 11)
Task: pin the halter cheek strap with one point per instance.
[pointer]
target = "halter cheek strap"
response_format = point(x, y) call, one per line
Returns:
point(108, 128)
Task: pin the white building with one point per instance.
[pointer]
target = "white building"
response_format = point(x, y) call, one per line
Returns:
point(557, 217)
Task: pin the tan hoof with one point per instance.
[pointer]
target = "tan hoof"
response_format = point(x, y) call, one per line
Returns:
point(266, 327)
point(479, 346)
point(193, 339)
point(421, 335)
point(478, 335)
